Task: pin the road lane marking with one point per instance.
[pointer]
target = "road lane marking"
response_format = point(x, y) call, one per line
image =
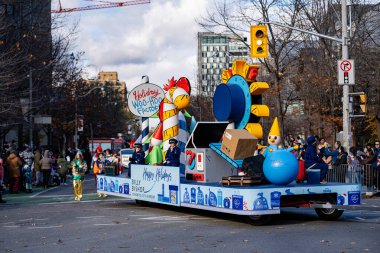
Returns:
point(110, 224)
point(38, 193)
point(84, 201)
point(162, 217)
point(173, 221)
point(90, 217)
point(16, 226)
point(29, 219)
point(58, 226)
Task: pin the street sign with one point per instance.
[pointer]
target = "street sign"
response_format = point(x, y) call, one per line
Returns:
point(42, 119)
point(346, 72)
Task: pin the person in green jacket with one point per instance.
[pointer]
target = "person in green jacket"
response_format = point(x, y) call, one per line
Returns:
point(79, 167)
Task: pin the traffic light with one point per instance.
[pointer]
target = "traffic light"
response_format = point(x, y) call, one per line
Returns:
point(259, 41)
point(363, 103)
point(358, 103)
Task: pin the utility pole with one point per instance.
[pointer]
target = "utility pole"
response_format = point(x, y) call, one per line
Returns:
point(347, 138)
point(76, 123)
point(30, 109)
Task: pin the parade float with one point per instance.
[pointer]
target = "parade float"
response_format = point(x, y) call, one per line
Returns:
point(214, 151)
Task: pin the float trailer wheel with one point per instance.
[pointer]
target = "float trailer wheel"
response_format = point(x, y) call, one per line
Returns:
point(329, 213)
point(259, 220)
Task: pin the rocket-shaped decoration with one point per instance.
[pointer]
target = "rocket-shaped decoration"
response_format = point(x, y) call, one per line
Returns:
point(157, 136)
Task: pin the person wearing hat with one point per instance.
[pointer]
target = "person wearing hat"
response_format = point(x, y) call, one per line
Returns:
point(312, 158)
point(138, 157)
point(173, 154)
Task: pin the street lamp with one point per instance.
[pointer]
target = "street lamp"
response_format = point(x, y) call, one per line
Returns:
point(76, 111)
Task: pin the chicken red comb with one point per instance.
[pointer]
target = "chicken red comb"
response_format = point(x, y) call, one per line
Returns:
point(171, 84)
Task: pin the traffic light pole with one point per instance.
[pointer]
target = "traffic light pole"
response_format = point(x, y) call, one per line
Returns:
point(347, 138)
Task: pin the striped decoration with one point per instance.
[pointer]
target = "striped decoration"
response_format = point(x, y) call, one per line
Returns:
point(183, 136)
point(145, 133)
point(175, 99)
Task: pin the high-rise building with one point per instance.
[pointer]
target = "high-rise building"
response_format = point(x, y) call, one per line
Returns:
point(216, 52)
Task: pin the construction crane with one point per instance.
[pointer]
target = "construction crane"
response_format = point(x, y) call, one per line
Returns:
point(105, 4)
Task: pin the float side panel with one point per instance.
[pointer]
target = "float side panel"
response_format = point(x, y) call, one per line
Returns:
point(116, 186)
point(159, 184)
point(264, 200)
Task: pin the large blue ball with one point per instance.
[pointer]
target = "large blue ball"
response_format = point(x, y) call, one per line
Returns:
point(280, 167)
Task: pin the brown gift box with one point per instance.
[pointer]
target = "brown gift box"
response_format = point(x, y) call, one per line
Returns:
point(238, 143)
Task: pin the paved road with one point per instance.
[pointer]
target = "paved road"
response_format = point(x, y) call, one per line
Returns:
point(51, 223)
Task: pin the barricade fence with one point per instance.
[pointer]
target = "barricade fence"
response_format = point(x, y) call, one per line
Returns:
point(366, 175)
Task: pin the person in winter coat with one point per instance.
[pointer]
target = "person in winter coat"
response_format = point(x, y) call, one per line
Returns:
point(2, 173)
point(79, 169)
point(37, 167)
point(173, 154)
point(355, 167)
point(342, 156)
point(138, 157)
point(98, 166)
point(312, 158)
point(14, 163)
point(45, 164)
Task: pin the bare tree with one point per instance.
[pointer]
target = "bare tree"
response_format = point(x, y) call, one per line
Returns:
point(237, 17)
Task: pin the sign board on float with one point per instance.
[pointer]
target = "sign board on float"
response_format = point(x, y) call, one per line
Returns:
point(144, 100)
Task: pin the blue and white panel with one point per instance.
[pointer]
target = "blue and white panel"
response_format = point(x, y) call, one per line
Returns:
point(118, 186)
point(258, 200)
point(158, 184)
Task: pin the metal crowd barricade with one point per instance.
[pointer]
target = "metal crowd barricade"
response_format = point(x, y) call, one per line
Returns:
point(367, 176)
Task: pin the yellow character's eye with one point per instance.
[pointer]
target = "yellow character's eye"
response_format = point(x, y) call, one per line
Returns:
point(270, 137)
point(275, 137)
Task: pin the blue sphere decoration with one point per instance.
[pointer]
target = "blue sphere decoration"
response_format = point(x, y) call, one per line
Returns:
point(280, 167)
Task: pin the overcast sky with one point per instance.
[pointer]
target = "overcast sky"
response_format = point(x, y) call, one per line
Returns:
point(157, 39)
